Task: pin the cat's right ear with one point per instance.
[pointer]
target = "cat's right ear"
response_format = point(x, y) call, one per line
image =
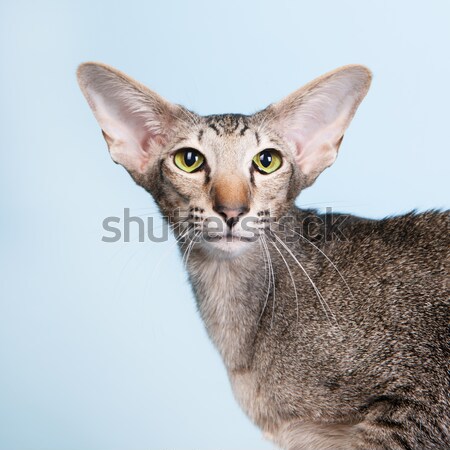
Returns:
point(135, 121)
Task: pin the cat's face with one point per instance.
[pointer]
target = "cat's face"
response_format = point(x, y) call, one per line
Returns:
point(224, 177)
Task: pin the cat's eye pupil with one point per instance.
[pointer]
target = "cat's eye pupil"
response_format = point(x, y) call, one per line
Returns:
point(190, 158)
point(265, 158)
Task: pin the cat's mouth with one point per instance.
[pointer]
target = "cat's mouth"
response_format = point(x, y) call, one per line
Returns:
point(229, 243)
point(229, 237)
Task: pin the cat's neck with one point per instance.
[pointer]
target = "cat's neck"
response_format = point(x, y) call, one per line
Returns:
point(229, 293)
point(232, 292)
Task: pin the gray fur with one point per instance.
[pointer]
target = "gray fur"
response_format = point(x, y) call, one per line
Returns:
point(378, 373)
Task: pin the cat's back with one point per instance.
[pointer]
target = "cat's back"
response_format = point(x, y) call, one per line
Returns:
point(402, 258)
point(398, 311)
point(424, 236)
point(395, 268)
point(407, 254)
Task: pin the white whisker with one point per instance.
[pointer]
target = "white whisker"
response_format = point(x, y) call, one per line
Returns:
point(290, 274)
point(272, 273)
point(322, 300)
point(191, 244)
point(267, 272)
point(326, 256)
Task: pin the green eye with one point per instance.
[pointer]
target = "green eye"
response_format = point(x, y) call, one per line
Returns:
point(267, 161)
point(189, 160)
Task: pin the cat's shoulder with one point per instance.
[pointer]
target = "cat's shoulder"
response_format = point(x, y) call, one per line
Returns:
point(431, 224)
point(414, 230)
point(420, 220)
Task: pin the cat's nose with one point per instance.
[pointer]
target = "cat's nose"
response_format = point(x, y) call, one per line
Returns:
point(230, 198)
point(231, 215)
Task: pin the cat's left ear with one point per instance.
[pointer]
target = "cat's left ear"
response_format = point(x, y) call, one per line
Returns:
point(315, 117)
point(136, 122)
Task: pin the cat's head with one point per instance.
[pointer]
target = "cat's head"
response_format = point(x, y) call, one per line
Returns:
point(225, 173)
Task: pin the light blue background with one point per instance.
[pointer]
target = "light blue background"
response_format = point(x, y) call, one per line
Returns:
point(98, 349)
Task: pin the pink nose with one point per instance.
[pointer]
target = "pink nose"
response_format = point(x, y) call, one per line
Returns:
point(231, 215)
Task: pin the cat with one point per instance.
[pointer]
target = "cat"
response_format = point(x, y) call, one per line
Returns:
point(333, 336)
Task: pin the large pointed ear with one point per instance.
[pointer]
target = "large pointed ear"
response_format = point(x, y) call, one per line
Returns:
point(315, 117)
point(135, 121)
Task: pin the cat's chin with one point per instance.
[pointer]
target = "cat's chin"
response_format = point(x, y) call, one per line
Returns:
point(228, 248)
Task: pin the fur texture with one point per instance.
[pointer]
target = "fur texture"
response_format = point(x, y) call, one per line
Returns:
point(334, 330)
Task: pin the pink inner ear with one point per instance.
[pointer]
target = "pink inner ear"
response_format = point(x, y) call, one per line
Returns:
point(298, 139)
point(129, 138)
point(315, 117)
point(313, 153)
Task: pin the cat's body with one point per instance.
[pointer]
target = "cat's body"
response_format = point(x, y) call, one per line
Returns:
point(371, 371)
point(334, 330)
